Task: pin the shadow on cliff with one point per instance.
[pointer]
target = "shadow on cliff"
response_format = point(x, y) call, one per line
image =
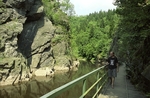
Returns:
point(27, 36)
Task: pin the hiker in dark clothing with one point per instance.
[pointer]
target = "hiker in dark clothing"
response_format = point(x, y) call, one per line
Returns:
point(112, 67)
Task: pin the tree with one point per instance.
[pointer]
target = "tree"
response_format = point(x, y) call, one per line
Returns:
point(67, 7)
point(93, 33)
point(133, 33)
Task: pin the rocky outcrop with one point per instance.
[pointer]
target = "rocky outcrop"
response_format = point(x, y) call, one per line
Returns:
point(26, 40)
point(145, 73)
point(44, 72)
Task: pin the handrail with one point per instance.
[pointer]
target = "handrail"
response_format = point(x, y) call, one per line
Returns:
point(63, 88)
point(92, 86)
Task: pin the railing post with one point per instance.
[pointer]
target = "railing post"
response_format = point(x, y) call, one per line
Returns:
point(83, 79)
point(84, 86)
point(98, 76)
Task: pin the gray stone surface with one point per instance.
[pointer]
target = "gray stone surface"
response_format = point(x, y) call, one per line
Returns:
point(30, 40)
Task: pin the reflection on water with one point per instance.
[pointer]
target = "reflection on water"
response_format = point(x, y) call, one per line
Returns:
point(42, 85)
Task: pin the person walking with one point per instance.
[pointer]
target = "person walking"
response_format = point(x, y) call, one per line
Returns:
point(113, 68)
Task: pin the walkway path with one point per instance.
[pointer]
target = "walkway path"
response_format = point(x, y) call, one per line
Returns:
point(122, 88)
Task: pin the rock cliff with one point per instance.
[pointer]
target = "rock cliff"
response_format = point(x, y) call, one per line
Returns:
point(27, 40)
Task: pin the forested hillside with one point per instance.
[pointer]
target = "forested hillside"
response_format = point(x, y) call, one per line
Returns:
point(46, 33)
point(91, 35)
point(125, 30)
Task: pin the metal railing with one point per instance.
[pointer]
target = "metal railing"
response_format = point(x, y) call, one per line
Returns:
point(54, 93)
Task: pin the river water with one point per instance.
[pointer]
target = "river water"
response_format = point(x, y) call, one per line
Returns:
point(42, 85)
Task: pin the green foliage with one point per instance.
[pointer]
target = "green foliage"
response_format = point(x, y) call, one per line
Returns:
point(134, 37)
point(1, 3)
point(55, 14)
point(56, 40)
point(148, 95)
point(2, 7)
point(134, 27)
point(92, 34)
point(67, 7)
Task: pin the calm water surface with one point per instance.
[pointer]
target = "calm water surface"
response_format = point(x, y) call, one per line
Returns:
point(42, 85)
